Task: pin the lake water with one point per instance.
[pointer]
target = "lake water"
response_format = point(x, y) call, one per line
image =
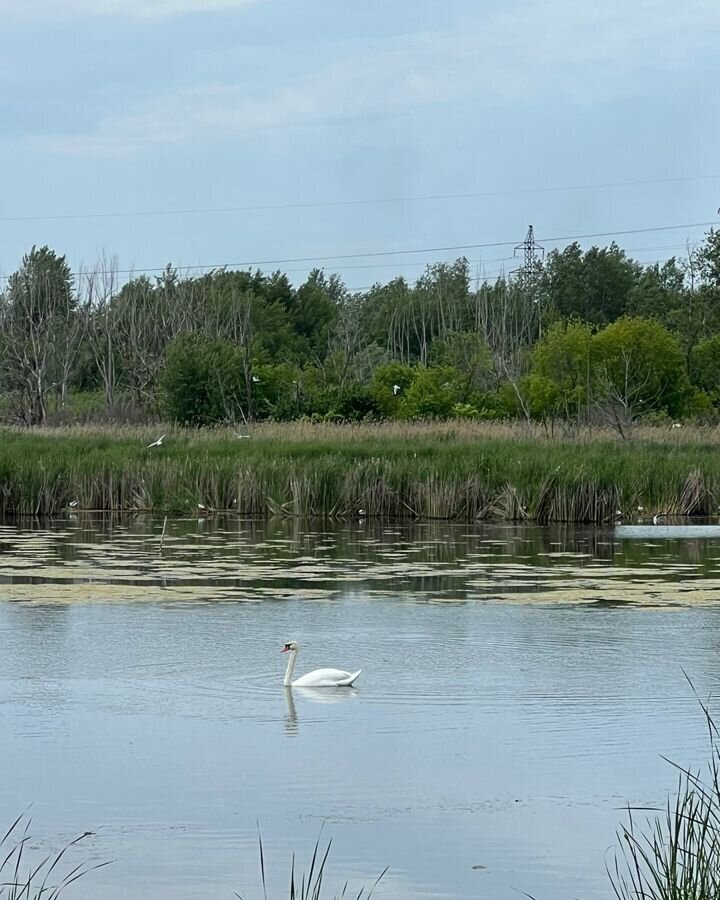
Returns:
point(519, 687)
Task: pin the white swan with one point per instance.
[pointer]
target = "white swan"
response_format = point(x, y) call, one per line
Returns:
point(318, 678)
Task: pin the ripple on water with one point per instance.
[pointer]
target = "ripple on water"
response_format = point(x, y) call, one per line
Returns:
point(517, 688)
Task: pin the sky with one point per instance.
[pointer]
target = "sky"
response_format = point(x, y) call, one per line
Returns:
point(290, 135)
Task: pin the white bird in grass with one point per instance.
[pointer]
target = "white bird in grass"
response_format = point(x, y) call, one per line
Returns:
point(73, 503)
point(396, 389)
point(255, 379)
point(317, 678)
point(158, 442)
point(241, 435)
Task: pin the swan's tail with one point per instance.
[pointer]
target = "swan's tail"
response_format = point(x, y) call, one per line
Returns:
point(350, 680)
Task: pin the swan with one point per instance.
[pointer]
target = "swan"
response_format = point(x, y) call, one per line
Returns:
point(317, 678)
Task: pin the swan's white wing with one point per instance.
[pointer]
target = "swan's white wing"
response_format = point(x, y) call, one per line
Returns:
point(326, 678)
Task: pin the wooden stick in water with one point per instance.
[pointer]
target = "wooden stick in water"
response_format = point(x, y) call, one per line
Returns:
point(162, 536)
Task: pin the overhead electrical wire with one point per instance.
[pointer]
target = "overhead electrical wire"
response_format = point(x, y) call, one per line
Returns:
point(365, 201)
point(375, 254)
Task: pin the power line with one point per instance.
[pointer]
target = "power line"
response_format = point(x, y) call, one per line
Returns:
point(374, 254)
point(325, 204)
point(482, 260)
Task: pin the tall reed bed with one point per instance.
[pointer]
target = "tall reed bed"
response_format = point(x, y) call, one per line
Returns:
point(455, 471)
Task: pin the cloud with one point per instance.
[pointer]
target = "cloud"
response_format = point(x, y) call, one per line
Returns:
point(554, 52)
point(136, 9)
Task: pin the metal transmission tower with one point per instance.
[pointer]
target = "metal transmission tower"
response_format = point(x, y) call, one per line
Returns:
point(527, 274)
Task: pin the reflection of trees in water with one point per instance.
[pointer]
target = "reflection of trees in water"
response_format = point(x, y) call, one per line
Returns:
point(427, 558)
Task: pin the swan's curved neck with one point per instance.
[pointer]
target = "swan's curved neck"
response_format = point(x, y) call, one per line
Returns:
point(290, 668)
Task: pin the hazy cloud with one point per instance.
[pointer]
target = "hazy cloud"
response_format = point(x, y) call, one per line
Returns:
point(558, 50)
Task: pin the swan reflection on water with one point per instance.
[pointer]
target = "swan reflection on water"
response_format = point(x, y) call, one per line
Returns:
point(314, 695)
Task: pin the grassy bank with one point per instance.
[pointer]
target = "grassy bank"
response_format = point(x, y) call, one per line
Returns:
point(460, 471)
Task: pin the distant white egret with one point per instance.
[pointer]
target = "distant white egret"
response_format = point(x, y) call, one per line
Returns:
point(158, 442)
point(241, 435)
point(396, 389)
point(255, 379)
point(73, 503)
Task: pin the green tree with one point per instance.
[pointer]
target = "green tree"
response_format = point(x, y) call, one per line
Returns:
point(467, 352)
point(707, 258)
point(432, 394)
point(543, 397)
point(314, 310)
point(640, 368)
point(41, 331)
point(594, 286)
point(680, 299)
point(705, 367)
point(390, 383)
point(564, 358)
point(203, 381)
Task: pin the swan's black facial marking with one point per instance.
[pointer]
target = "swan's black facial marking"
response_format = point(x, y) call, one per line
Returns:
point(286, 648)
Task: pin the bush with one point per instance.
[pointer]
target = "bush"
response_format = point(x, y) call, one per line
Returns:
point(390, 383)
point(432, 395)
point(203, 381)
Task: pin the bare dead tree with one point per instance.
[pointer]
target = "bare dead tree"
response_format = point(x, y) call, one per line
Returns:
point(509, 322)
point(146, 319)
point(346, 342)
point(98, 288)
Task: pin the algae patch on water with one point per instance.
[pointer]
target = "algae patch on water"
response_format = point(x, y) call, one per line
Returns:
point(253, 562)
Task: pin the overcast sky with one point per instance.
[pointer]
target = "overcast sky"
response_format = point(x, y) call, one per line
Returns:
point(142, 106)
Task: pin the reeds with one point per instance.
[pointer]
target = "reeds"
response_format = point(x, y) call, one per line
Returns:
point(308, 885)
point(675, 856)
point(46, 879)
point(448, 471)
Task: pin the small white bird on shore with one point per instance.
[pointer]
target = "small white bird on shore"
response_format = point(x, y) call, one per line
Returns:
point(240, 436)
point(73, 504)
point(158, 442)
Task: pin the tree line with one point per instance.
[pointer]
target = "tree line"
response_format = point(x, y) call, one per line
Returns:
point(586, 336)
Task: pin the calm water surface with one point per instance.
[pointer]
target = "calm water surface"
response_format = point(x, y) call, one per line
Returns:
point(519, 687)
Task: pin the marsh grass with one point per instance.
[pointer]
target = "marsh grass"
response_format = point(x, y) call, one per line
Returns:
point(45, 879)
point(455, 471)
point(308, 885)
point(676, 855)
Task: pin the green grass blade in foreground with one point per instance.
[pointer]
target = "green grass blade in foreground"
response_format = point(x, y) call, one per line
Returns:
point(676, 855)
point(22, 879)
point(308, 885)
